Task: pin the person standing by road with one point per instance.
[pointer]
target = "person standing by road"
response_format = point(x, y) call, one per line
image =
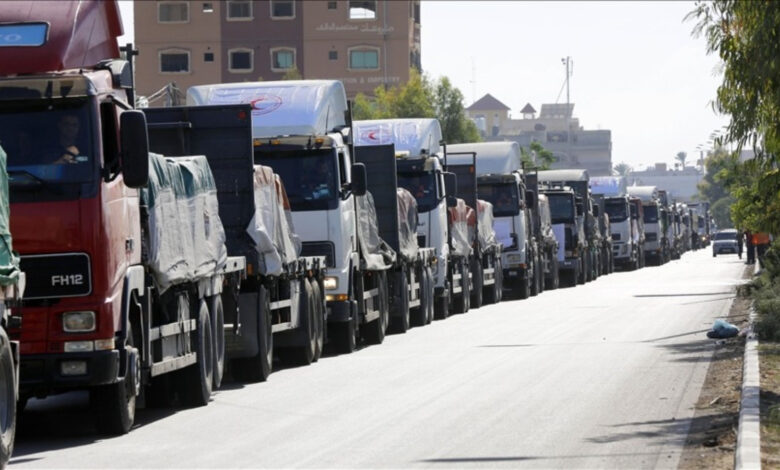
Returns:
point(761, 242)
point(751, 252)
point(740, 235)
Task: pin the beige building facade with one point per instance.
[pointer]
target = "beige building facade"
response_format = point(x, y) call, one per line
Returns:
point(363, 43)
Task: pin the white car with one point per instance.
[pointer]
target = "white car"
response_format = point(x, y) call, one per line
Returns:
point(725, 241)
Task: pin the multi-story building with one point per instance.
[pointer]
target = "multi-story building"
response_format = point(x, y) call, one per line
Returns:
point(364, 43)
point(556, 129)
point(681, 184)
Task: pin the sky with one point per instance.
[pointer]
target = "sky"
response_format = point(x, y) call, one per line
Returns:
point(637, 70)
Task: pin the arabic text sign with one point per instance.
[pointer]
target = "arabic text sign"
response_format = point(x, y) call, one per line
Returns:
point(29, 34)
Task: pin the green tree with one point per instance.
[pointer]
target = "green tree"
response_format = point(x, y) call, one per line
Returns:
point(292, 74)
point(448, 103)
point(681, 157)
point(719, 168)
point(622, 169)
point(537, 156)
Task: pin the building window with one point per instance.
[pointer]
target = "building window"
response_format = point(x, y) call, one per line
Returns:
point(333, 55)
point(364, 58)
point(174, 61)
point(362, 9)
point(208, 57)
point(239, 10)
point(208, 7)
point(241, 60)
point(333, 5)
point(282, 9)
point(282, 59)
point(173, 12)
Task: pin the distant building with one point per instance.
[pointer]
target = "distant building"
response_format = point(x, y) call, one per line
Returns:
point(556, 129)
point(681, 184)
point(363, 43)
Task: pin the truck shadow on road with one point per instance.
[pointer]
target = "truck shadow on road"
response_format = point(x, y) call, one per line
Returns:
point(67, 421)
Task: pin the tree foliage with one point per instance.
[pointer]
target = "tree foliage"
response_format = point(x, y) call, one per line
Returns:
point(420, 98)
point(746, 37)
point(537, 156)
point(681, 157)
point(622, 169)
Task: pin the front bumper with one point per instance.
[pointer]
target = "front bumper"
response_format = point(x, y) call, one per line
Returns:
point(40, 374)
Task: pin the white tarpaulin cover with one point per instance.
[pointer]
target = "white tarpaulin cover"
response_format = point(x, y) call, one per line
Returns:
point(376, 253)
point(501, 158)
point(487, 236)
point(186, 240)
point(271, 228)
point(408, 135)
point(608, 185)
point(459, 228)
point(407, 224)
point(295, 107)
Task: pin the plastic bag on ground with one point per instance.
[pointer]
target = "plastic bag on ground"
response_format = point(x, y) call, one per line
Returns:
point(722, 329)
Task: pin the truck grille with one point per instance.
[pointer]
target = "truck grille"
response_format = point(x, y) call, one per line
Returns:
point(616, 236)
point(651, 237)
point(421, 241)
point(325, 249)
point(57, 275)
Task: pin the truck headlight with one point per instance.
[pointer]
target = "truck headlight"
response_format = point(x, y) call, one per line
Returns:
point(330, 282)
point(78, 322)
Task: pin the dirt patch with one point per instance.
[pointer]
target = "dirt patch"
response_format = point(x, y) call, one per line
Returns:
point(769, 369)
point(712, 439)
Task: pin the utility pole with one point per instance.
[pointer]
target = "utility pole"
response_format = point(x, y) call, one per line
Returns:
point(569, 71)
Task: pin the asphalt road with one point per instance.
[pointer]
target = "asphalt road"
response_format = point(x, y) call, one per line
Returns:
point(598, 376)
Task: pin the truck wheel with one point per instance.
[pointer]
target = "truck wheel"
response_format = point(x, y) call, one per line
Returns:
point(197, 379)
point(534, 284)
point(258, 368)
point(525, 286)
point(115, 403)
point(302, 354)
point(319, 319)
point(419, 314)
point(493, 292)
point(461, 301)
point(441, 306)
point(429, 295)
point(217, 313)
point(7, 399)
point(476, 292)
point(374, 332)
point(401, 317)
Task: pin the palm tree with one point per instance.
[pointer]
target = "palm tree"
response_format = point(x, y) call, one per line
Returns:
point(623, 169)
point(681, 157)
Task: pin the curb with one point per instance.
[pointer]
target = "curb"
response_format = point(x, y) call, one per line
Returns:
point(748, 455)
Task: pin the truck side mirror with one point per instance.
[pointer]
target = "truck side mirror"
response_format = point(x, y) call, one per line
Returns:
point(450, 184)
point(134, 139)
point(359, 179)
point(530, 198)
point(451, 188)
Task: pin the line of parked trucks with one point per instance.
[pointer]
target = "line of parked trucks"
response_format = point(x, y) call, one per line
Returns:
point(257, 222)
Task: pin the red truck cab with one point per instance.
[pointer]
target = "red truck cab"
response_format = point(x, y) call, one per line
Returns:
point(75, 220)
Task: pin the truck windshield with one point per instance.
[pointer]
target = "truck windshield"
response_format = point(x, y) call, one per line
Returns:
point(502, 196)
point(309, 176)
point(651, 214)
point(616, 209)
point(47, 142)
point(561, 208)
point(423, 188)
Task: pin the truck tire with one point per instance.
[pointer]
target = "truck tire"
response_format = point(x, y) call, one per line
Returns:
point(419, 314)
point(7, 399)
point(478, 276)
point(115, 403)
point(197, 379)
point(492, 293)
point(461, 302)
point(401, 318)
point(302, 354)
point(319, 318)
point(441, 305)
point(580, 278)
point(525, 285)
point(217, 313)
point(430, 292)
point(258, 367)
point(374, 332)
point(534, 284)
